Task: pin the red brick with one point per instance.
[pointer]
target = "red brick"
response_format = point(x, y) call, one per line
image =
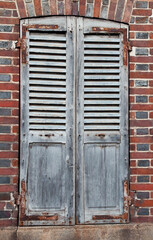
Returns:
point(68, 7)
point(2, 205)
point(97, 8)
point(8, 155)
point(133, 179)
point(148, 139)
point(151, 101)
point(9, 69)
point(151, 68)
point(9, 36)
point(15, 95)
point(141, 74)
point(9, 120)
point(132, 115)
point(15, 13)
point(132, 163)
point(9, 53)
point(8, 138)
point(141, 171)
point(151, 51)
point(151, 35)
point(131, 131)
point(9, 86)
point(15, 163)
point(112, 8)
point(15, 78)
point(15, 129)
point(15, 180)
point(16, 61)
point(15, 112)
point(151, 147)
point(140, 155)
point(8, 188)
point(132, 147)
point(151, 116)
point(136, 27)
point(141, 187)
point(141, 123)
point(15, 146)
point(37, 6)
point(142, 12)
point(151, 211)
point(131, 99)
point(132, 35)
point(21, 8)
point(144, 91)
point(141, 107)
point(7, 5)
point(9, 20)
point(151, 5)
point(6, 223)
point(16, 28)
point(151, 131)
point(141, 59)
point(9, 103)
point(138, 43)
point(143, 203)
point(127, 11)
point(82, 7)
point(53, 7)
point(8, 171)
point(151, 194)
point(131, 83)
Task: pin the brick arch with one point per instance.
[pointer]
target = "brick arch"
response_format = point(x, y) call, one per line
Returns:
point(117, 10)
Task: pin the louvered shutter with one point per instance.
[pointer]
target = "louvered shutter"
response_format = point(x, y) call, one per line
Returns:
point(47, 156)
point(102, 123)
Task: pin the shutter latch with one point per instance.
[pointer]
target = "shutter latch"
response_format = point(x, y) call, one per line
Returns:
point(129, 46)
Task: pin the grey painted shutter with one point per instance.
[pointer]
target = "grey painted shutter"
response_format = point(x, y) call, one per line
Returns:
point(47, 122)
point(102, 141)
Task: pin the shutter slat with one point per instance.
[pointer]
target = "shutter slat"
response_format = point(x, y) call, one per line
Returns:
point(100, 108)
point(101, 102)
point(47, 50)
point(45, 95)
point(47, 63)
point(101, 77)
point(100, 52)
point(47, 89)
point(48, 44)
point(101, 83)
point(48, 57)
point(97, 58)
point(103, 46)
point(47, 76)
point(49, 83)
point(52, 70)
point(48, 67)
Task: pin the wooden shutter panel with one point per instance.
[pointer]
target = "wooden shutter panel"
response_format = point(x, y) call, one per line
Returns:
point(47, 82)
point(102, 123)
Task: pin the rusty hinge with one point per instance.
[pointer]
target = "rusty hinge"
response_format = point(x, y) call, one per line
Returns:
point(129, 46)
point(19, 43)
point(17, 199)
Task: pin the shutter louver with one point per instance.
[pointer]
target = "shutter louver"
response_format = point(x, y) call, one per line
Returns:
point(101, 82)
point(47, 81)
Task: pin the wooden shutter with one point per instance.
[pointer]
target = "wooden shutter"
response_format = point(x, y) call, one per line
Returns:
point(47, 121)
point(102, 124)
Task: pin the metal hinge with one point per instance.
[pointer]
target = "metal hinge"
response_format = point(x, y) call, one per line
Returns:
point(18, 199)
point(19, 43)
point(129, 46)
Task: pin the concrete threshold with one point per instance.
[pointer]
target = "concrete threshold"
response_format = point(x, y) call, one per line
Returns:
point(141, 231)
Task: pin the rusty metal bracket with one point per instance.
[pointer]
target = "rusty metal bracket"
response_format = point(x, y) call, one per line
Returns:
point(129, 46)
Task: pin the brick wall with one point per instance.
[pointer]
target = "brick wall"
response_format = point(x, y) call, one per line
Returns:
point(141, 93)
point(141, 111)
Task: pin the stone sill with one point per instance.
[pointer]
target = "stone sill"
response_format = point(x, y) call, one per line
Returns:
point(130, 231)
